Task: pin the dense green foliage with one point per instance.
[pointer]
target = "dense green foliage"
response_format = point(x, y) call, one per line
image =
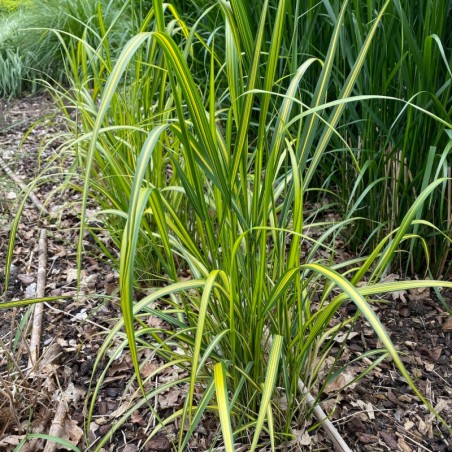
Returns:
point(205, 144)
point(31, 51)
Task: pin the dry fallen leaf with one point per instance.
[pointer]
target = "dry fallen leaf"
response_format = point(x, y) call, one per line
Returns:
point(71, 431)
point(399, 295)
point(342, 336)
point(158, 443)
point(169, 399)
point(341, 380)
point(419, 293)
point(26, 279)
point(447, 325)
point(10, 442)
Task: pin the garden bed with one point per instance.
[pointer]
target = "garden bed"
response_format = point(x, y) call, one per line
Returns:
point(378, 413)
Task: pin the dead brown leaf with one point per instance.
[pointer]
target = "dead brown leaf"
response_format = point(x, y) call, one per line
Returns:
point(10, 442)
point(169, 399)
point(419, 293)
point(341, 380)
point(148, 369)
point(158, 443)
point(71, 431)
point(26, 279)
point(122, 365)
point(447, 325)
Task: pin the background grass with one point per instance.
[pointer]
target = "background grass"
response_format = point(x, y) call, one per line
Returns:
point(31, 52)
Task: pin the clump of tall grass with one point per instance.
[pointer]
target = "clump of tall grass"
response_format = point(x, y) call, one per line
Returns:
point(202, 183)
point(208, 180)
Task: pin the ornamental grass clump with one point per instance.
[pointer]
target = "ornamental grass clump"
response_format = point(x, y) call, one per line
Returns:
point(215, 191)
point(202, 183)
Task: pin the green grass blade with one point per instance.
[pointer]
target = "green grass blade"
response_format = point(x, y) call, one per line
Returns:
point(23, 303)
point(138, 203)
point(60, 441)
point(223, 406)
point(309, 131)
point(201, 318)
point(269, 385)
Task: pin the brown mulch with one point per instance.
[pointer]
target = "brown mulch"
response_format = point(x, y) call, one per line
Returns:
point(379, 413)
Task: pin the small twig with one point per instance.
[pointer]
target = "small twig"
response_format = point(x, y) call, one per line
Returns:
point(33, 198)
point(412, 440)
point(40, 292)
point(57, 427)
point(339, 444)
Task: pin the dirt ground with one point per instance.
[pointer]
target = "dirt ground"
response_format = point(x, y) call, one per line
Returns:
point(379, 413)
